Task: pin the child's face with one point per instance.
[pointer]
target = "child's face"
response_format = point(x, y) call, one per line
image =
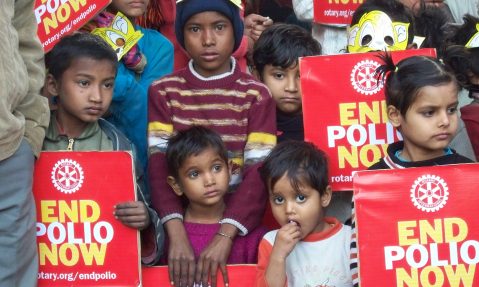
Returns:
point(430, 122)
point(203, 178)
point(84, 90)
point(306, 208)
point(209, 40)
point(285, 87)
point(130, 8)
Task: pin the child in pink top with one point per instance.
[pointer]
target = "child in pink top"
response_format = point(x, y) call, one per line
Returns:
point(199, 171)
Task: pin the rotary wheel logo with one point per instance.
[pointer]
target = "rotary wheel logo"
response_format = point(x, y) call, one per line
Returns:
point(364, 78)
point(67, 176)
point(429, 193)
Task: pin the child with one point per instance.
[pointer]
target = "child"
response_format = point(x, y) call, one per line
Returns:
point(275, 58)
point(199, 170)
point(463, 57)
point(82, 82)
point(421, 99)
point(149, 59)
point(23, 121)
point(379, 25)
point(296, 176)
point(211, 91)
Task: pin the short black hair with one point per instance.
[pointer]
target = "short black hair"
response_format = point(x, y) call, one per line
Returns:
point(281, 45)
point(404, 80)
point(301, 162)
point(431, 22)
point(397, 11)
point(76, 46)
point(189, 142)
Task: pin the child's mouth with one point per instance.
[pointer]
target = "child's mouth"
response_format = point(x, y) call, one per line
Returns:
point(297, 223)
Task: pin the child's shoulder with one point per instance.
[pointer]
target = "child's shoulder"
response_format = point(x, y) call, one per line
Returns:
point(173, 79)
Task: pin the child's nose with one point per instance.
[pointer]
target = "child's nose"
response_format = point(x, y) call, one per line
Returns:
point(208, 37)
point(292, 84)
point(95, 94)
point(209, 179)
point(444, 119)
point(290, 207)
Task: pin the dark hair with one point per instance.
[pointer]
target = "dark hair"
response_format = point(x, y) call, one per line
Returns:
point(393, 8)
point(300, 161)
point(76, 46)
point(404, 80)
point(192, 141)
point(431, 22)
point(463, 60)
point(460, 35)
point(281, 45)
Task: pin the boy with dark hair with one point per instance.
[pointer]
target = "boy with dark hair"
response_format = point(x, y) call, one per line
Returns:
point(211, 91)
point(296, 176)
point(23, 121)
point(276, 64)
point(81, 75)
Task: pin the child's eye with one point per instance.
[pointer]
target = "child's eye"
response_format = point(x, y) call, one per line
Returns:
point(278, 76)
point(278, 200)
point(220, 27)
point(452, 110)
point(217, 167)
point(300, 198)
point(83, 83)
point(108, 85)
point(193, 174)
point(194, 29)
point(427, 113)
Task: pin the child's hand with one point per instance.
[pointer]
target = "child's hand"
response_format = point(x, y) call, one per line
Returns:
point(212, 258)
point(133, 214)
point(286, 239)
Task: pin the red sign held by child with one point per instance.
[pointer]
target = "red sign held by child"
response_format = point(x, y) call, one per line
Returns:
point(58, 18)
point(337, 12)
point(344, 111)
point(418, 226)
point(80, 243)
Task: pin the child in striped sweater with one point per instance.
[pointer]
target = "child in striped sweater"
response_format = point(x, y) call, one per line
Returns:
point(211, 91)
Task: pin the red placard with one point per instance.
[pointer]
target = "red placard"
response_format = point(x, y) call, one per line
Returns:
point(238, 276)
point(58, 18)
point(80, 243)
point(418, 226)
point(345, 112)
point(335, 11)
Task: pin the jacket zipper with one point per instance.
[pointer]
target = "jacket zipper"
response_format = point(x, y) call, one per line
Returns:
point(70, 144)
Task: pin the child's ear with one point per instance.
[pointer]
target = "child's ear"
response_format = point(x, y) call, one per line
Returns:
point(394, 116)
point(326, 197)
point(51, 85)
point(174, 185)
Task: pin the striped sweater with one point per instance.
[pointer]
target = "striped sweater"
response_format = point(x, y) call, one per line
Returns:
point(233, 104)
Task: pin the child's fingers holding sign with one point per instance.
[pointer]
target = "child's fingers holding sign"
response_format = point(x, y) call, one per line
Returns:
point(133, 214)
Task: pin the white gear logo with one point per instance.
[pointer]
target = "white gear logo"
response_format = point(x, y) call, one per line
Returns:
point(364, 78)
point(429, 193)
point(67, 176)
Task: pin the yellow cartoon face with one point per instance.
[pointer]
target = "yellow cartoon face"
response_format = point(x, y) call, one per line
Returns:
point(120, 35)
point(474, 41)
point(377, 32)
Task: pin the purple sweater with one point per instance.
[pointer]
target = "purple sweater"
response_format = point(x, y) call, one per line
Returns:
point(244, 250)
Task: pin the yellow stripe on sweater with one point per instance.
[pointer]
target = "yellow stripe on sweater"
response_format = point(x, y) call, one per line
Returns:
point(159, 126)
point(262, 138)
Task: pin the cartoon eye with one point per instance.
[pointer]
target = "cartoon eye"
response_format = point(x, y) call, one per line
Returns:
point(116, 38)
point(401, 31)
point(389, 40)
point(120, 24)
point(352, 35)
point(367, 33)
